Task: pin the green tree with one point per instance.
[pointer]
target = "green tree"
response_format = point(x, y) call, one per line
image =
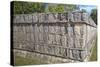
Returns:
point(94, 15)
point(20, 7)
point(27, 7)
point(60, 8)
point(83, 10)
point(69, 8)
point(57, 8)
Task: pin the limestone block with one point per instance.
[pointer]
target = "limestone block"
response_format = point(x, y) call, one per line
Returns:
point(85, 17)
point(77, 16)
point(70, 17)
point(28, 18)
point(41, 17)
point(35, 18)
point(51, 18)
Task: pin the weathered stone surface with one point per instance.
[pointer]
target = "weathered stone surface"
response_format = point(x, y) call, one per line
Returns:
point(55, 36)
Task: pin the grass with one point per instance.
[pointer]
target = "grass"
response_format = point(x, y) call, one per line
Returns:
point(93, 56)
point(19, 61)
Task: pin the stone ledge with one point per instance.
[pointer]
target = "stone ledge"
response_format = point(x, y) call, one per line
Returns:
point(42, 58)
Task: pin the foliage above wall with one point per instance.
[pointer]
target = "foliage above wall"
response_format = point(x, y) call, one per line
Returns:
point(27, 7)
point(32, 7)
point(94, 15)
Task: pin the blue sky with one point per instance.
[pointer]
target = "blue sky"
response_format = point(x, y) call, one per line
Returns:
point(88, 8)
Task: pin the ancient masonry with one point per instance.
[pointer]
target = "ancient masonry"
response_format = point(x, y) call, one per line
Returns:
point(54, 37)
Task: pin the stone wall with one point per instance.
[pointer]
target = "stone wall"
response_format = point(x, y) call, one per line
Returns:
point(68, 36)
